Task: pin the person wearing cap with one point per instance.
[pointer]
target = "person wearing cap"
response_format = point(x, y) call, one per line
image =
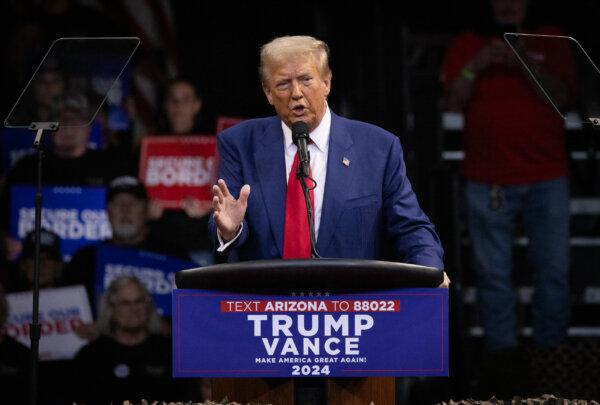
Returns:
point(51, 262)
point(127, 206)
point(70, 161)
point(127, 209)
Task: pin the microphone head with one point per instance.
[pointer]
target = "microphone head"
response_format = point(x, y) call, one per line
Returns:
point(299, 130)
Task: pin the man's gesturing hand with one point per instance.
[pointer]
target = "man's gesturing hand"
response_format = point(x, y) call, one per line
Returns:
point(229, 212)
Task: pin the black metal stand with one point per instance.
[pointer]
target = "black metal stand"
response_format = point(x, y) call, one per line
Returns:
point(34, 327)
point(309, 211)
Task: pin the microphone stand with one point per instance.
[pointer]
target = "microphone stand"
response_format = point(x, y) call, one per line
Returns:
point(301, 138)
point(34, 327)
point(309, 209)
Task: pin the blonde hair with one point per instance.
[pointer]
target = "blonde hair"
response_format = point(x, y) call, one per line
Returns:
point(106, 324)
point(288, 47)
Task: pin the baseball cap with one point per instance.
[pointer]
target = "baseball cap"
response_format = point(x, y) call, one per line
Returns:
point(49, 244)
point(126, 184)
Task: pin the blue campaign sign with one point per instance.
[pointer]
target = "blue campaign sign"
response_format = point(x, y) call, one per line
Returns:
point(156, 271)
point(393, 333)
point(76, 214)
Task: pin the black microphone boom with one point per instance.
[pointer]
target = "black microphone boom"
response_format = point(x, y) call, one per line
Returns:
point(300, 139)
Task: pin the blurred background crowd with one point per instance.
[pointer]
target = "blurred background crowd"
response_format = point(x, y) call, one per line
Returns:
point(512, 188)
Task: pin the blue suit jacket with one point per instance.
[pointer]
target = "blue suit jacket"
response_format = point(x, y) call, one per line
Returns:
point(369, 208)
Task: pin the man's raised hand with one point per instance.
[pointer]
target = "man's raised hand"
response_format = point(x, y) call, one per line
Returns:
point(229, 212)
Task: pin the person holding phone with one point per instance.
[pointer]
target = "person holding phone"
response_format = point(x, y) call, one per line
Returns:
point(515, 167)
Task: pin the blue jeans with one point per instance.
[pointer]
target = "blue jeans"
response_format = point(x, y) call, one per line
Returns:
point(491, 216)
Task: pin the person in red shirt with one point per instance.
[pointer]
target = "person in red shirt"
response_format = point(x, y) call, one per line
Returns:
point(515, 166)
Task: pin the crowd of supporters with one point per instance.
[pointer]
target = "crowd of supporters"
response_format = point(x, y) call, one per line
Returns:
point(126, 352)
point(127, 342)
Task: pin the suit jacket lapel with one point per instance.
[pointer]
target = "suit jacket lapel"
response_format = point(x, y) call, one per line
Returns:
point(269, 159)
point(338, 181)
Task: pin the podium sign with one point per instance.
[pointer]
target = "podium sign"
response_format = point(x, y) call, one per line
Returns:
point(400, 332)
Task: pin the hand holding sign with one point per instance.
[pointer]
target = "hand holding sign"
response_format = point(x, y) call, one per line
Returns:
point(155, 209)
point(229, 212)
point(194, 208)
point(86, 331)
point(13, 247)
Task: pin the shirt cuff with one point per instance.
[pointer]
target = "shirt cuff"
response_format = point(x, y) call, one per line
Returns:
point(222, 245)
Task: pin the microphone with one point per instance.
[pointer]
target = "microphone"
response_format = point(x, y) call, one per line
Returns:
point(300, 139)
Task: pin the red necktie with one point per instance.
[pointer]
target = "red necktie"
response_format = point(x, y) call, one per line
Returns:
point(296, 236)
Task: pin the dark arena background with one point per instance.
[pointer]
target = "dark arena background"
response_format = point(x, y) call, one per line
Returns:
point(386, 58)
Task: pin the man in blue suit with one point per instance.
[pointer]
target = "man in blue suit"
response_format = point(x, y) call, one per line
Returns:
point(364, 206)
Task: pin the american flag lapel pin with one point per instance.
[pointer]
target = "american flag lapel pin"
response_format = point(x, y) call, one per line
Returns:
point(346, 161)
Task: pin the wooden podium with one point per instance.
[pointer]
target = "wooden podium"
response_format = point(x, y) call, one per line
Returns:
point(342, 391)
point(299, 277)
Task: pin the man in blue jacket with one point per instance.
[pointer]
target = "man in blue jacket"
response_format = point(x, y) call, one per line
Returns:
point(363, 202)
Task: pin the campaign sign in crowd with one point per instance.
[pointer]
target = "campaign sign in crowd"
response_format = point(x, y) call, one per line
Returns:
point(224, 122)
point(62, 310)
point(400, 332)
point(76, 214)
point(177, 167)
point(156, 271)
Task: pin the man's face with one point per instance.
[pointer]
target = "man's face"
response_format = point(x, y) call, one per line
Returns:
point(131, 310)
point(48, 87)
point(298, 91)
point(181, 105)
point(127, 215)
point(510, 11)
point(71, 138)
point(50, 270)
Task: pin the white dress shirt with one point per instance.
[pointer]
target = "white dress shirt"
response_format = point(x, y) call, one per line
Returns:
point(318, 165)
point(318, 160)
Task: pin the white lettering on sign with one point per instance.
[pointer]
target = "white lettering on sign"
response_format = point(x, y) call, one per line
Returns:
point(171, 171)
point(342, 333)
point(155, 280)
point(68, 223)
